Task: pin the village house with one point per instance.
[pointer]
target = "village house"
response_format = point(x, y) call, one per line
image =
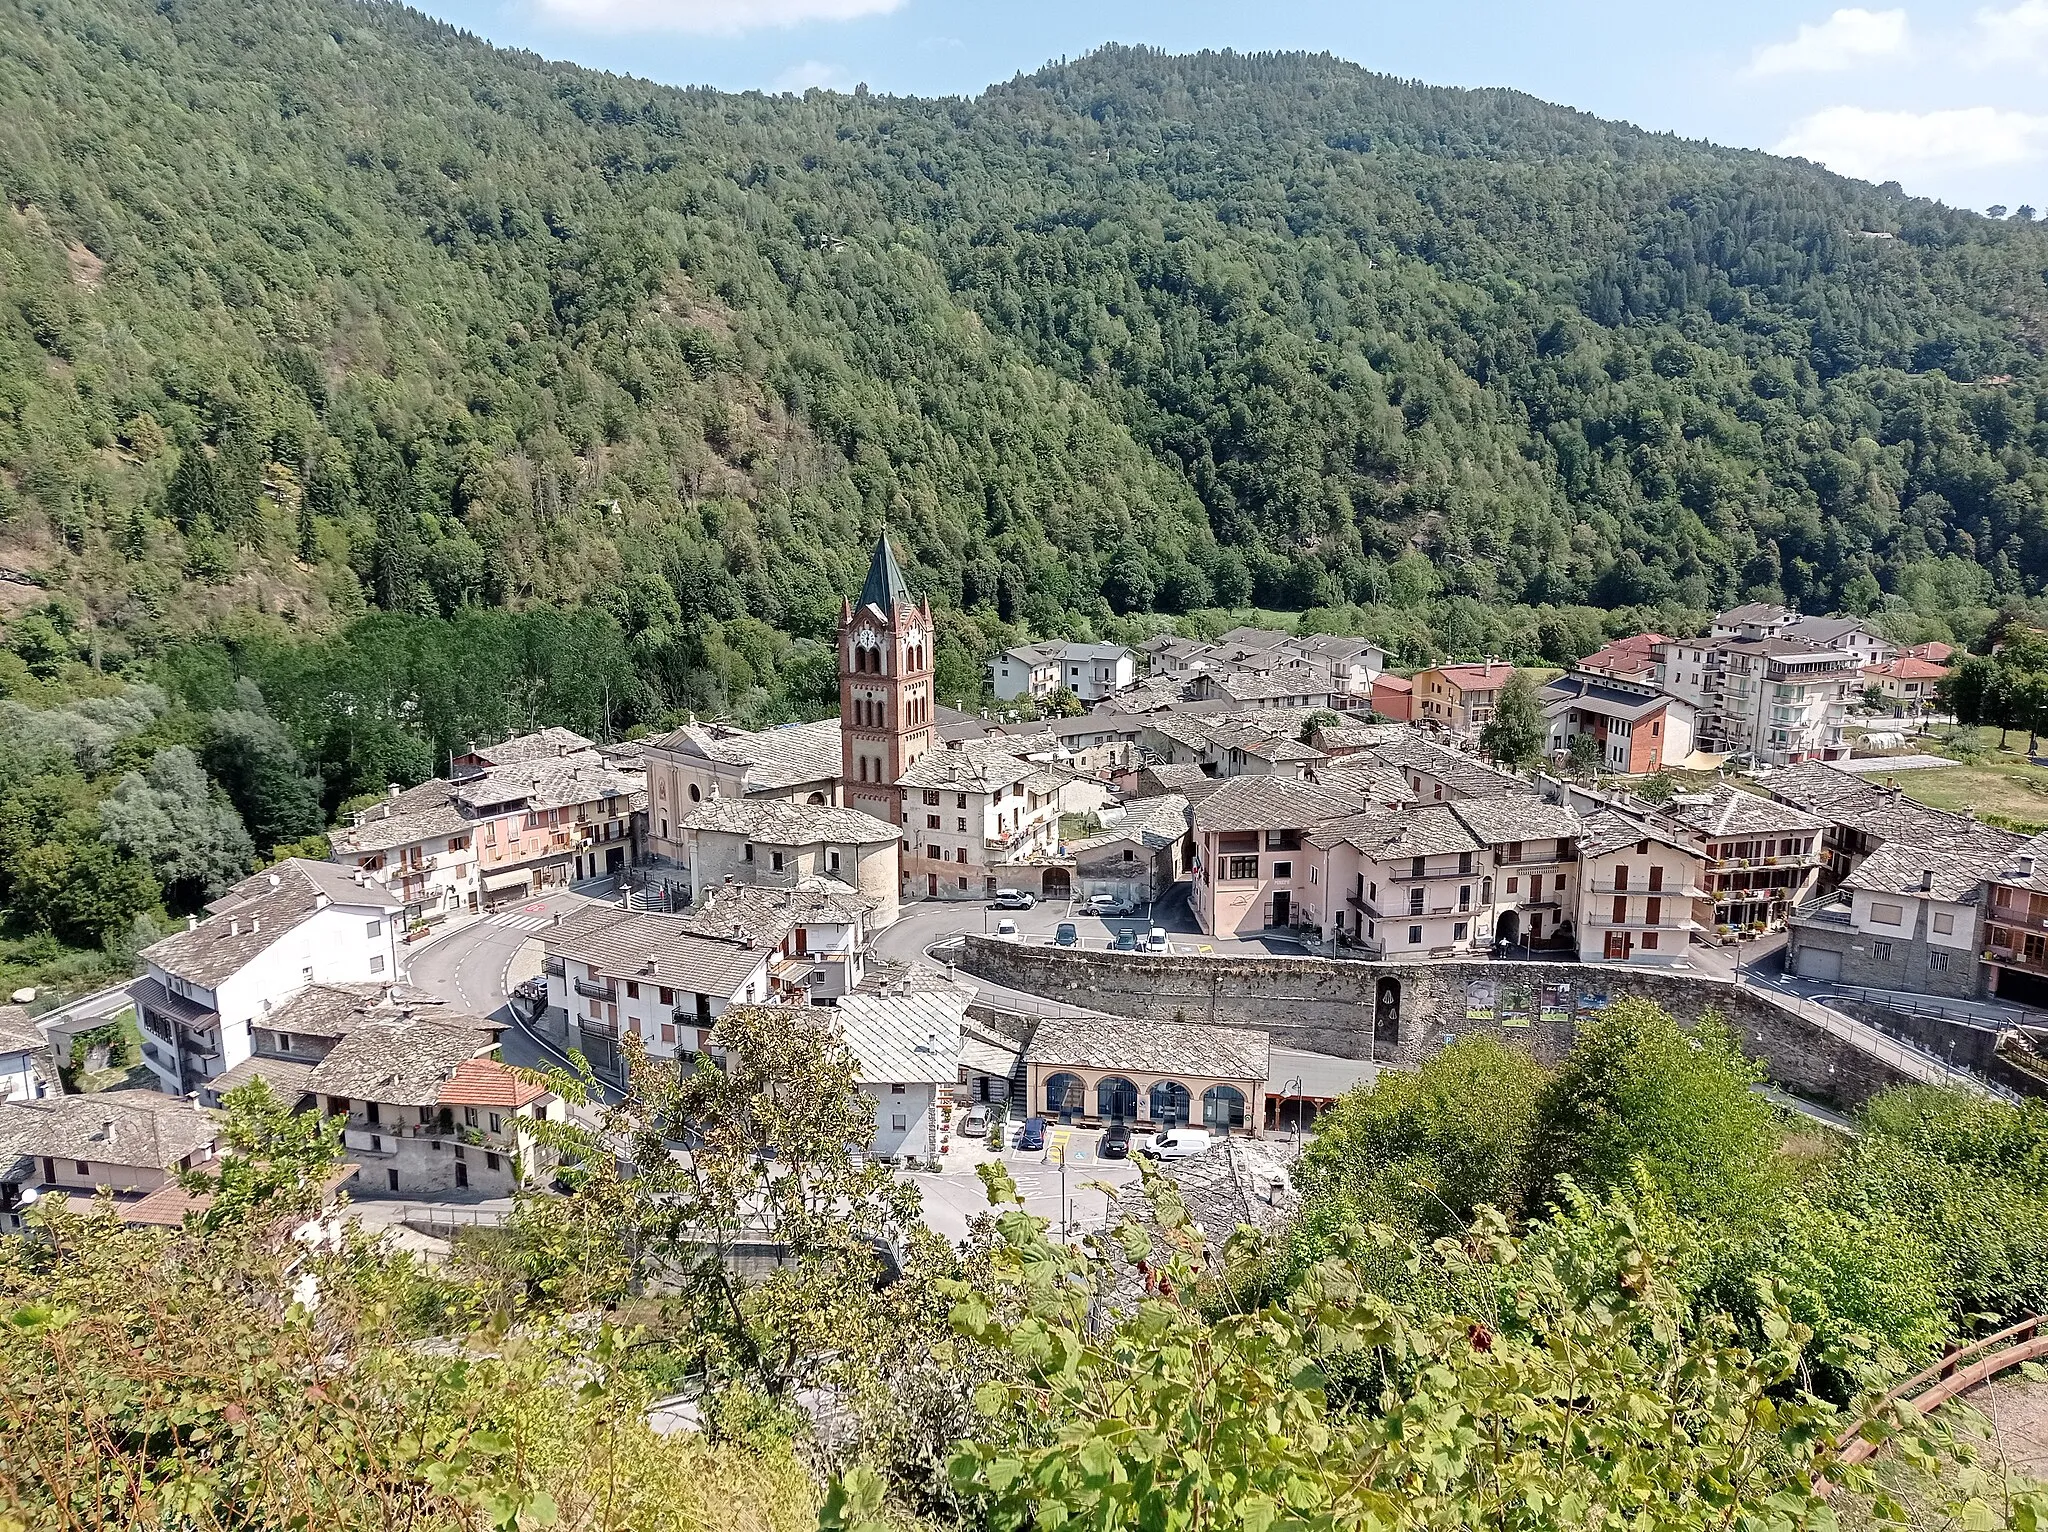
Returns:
point(28, 1066)
point(1637, 728)
point(2016, 925)
point(1862, 815)
point(1137, 858)
point(1285, 686)
point(1229, 745)
point(906, 1046)
point(1393, 698)
point(1907, 683)
point(972, 812)
point(818, 933)
point(1459, 699)
point(1440, 773)
point(1625, 659)
point(1036, 671)
point(1906, 918)
point(776, 844)
point(1637, 890)
point(418, 844)
point(426, 1112)
point(1533, 845)
point(615, 973)
point(1417, 881)
point(1763, 858)
point(1251, 867)
point(1098, 1070)
point(123, 1141)
point(203, 989)
point(549, 817)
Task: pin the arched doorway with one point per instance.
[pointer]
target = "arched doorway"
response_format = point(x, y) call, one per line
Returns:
point(1386, 1015)
point(815, 798)
point(1508, 928)
point(1057, 883)
point(1116, 1099)
point(1065, 1097)
point(1223, 1107)
point(1170, 1102)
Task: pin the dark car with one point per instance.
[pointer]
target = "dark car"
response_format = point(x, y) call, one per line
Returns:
point(1116, 1142)
point(1068, 935)
point(1032, 1134)
point(1127, 939)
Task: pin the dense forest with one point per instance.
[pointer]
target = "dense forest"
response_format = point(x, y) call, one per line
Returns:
point(313, 308)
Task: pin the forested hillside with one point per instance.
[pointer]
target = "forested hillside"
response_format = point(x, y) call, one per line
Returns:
point(317, 307)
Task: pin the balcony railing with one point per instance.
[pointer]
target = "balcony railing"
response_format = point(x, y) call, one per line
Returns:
point(593, 989)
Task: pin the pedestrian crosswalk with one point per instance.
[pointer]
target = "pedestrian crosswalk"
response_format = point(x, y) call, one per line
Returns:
point(518, 921)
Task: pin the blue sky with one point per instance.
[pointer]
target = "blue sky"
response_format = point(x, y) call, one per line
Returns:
point(1949, 99)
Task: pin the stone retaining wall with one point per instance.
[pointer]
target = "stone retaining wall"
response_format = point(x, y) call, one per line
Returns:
point(1328, 1006)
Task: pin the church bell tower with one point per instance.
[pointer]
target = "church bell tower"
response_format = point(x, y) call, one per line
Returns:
point(885, 688)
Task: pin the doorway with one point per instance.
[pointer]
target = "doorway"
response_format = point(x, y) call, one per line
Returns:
point(1386, 1015)
point(461, 1174)
point(1282, 909)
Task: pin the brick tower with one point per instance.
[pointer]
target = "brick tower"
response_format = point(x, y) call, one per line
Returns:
point(885, 687)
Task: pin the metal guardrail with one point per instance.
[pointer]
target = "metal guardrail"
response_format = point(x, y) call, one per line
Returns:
point(1972, 1013)
point(1914, 1062)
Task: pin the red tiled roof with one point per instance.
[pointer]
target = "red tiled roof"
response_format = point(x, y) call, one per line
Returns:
point(1392, 684)
point(1907, 669)
point(485, 1082)
point(1937, 651)
point(1469, 677)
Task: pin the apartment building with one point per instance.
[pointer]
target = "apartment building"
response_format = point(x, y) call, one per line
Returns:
point(2015, 925)
point(1851, 636)
point(1417, 882)
point(1459, 699)
point(548, 818)
point(970, 813)
point(1777, 700)
point(1763, 857)
point(1090, 672)
point(204, 988)
point(1533, 845)
point(776, 844)
point(1636, 726)
point(615, 973)
point(1638, 887)
point(417, 843)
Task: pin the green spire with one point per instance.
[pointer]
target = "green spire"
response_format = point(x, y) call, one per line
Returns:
point(885, 584)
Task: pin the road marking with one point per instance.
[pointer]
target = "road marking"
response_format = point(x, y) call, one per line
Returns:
point(519, 922)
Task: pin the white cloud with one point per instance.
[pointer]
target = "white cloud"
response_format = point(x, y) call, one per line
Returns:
point(2017, 36)
point(1847, 38)
point(810, 74)
point(720, 17)
point(1891, 146)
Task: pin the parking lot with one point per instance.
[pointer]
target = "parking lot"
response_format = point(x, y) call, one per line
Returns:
point(954, 1196)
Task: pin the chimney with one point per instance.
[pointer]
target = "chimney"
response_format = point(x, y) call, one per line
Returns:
point(191, 922)
point(391, 788)
point(321, 901)
point(255, 925)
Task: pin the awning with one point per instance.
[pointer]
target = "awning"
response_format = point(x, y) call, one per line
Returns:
point(498, 882)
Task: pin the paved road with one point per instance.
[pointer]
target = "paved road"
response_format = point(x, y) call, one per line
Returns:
point(476, 966)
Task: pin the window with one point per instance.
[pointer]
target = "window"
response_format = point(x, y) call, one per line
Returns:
point(491, 1160)
point(1242, 867)
point(832, 861)
point(1944, 923)
point(960, 800)
point(931, 798)
point(370, 1111)
point(1415, 936)
point(960, 856)
point(1882, 951)
point(377, 964)
point(748, 854)
point(1458, 932)
point(1280, 869)
point(83, 1168)
point(961, 824)
point(1560, 883)
point(1514, 885)
point(1464, 862)
point(1621, 875)
point(775, 861)
point(899, 1121)
point(1415, 901)
point(1649, 941)
point(391, 1180)
point(668, 996)
point(632, 990)
point(469, 1116)
point(306, 973)
point(1652, 910)
point(1416, 866)
point(1938, 961)
point(1464, 896)
point(1656, 877)
point(1621, 911)
point(1887, 914)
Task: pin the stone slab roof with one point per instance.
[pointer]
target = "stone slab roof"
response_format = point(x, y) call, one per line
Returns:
point(402, 1063)
point(1605, 830)
point(1152, 1047)
point(974, 766)
point(1921, 872)
point(251, 916)
point(426, 812)
point(776, 759)
point(908, 1037)
point(1466, 775)
point(1152, 822)
point(335, 1010)
point(549, 742)
point(1726, 809)
point(549, 781)
point(1400, 834)
point(661, 948)
point(288, 1079)
point(136, 1128)
point(1511, 817)
point(778, 823)
point(1270, 803)
point(768, 914)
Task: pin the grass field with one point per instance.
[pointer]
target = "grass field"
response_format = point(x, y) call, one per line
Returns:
point(1999, 786)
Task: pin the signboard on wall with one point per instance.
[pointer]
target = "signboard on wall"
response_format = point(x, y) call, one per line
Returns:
point(1514, 1003)
point(1479, 999)
point(1554, 1004)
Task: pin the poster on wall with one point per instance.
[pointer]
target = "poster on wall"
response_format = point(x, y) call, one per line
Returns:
point(1479, 995)
point(1554, 1005)
point(1514, 1003)
point(1592, 1003)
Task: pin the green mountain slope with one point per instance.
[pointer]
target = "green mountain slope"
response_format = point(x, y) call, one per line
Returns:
point(311, 305)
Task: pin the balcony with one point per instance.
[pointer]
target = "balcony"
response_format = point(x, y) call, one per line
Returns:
point(594, 989)
point(555, 968)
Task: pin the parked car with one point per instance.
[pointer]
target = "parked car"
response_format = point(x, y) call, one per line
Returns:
point(1157, 940)
point(1006, 930)
point(1032, 1134)
point(973, 1123)
point(1012, 899)
point(1067, 935)
point(1116, 1142)
point(1126, 939)
point(1179, 1142)
point(1106, 906)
